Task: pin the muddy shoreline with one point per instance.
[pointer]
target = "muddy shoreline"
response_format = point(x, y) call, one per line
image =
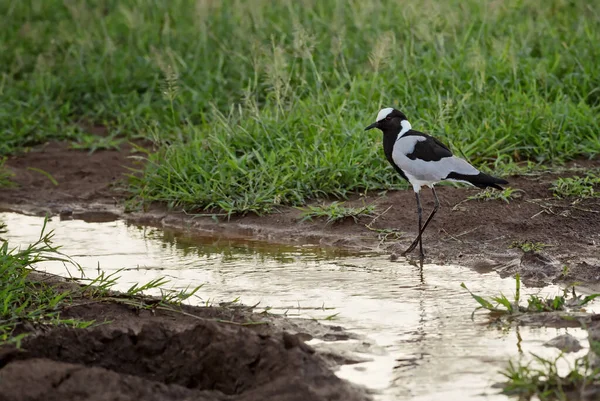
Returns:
point(137, 349)
point(479, 234)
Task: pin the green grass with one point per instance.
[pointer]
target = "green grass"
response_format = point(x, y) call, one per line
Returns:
point(257, 104)
point(501, 304)
point(27, 300)
point(541, 378)
point(102, 286)
point(45, 174)
point(336, 211)
point(5, 175)
point(587, 186)
point(528, 246)
point(506, 195)
point(24, 300)
point(95, 142)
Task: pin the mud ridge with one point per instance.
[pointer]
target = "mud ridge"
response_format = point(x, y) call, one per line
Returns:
point(220, 361)
point(178, 353)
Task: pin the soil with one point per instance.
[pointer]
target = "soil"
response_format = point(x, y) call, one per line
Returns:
point(479, 234)
point(176, 353)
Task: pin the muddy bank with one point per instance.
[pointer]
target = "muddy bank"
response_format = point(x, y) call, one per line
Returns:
point(479, 234)
point(137, 350)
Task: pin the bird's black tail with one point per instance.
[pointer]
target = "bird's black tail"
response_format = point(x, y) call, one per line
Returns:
point(480, 180)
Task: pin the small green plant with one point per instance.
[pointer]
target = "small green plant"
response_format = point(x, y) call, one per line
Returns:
point(386, 234)
point(541, 378)
point(587, 186)
point(176, 297)
point(502, 305)
point(327, 318)
point(170, 87)
point(537, 304)
point(336, 211)
point(97, 142)
point(102, 285)
point(45, 174)
point(506, 195)
point(137, 289)
point(528, 246)
point(5, 175)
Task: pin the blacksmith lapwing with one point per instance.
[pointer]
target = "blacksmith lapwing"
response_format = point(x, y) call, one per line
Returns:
point(423, 160)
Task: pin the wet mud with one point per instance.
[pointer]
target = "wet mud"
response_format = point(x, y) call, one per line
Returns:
point(479, 234)
point(187, 353)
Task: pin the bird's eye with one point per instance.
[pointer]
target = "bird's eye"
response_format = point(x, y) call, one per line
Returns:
point(388, 118)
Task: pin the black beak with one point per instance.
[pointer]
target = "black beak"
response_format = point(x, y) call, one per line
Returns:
point(374, 125)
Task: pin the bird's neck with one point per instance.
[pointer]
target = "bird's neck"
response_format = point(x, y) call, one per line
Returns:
point(405, 127)
point(390, 137)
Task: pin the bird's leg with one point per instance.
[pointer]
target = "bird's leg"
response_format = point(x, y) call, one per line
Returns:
point(421, 254)
point(436, 206)
point(420, 212)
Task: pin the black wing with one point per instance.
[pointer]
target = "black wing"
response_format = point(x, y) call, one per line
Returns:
point(429, 150)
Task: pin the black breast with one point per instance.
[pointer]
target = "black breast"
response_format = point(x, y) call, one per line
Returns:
point(388, 148)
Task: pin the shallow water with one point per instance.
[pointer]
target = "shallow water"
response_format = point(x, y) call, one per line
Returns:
point(419, 339)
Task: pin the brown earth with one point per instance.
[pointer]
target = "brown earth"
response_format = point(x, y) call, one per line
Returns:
point(137, 351)
point(471, 233)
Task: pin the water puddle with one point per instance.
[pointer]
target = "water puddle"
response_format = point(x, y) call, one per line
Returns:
point(419, 340)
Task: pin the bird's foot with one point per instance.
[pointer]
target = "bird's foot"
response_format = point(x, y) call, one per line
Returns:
point(416, 262)
point(409, 250)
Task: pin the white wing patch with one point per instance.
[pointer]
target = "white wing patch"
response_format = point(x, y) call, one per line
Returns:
point(427, 172)
point(383, 113)
point(405, 145)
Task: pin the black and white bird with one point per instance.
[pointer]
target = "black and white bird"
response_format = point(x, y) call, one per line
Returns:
point(423, 160)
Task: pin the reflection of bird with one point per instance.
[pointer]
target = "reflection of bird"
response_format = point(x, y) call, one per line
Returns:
point(423, 160)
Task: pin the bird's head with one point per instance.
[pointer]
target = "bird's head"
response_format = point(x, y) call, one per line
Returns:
point(390, 121)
